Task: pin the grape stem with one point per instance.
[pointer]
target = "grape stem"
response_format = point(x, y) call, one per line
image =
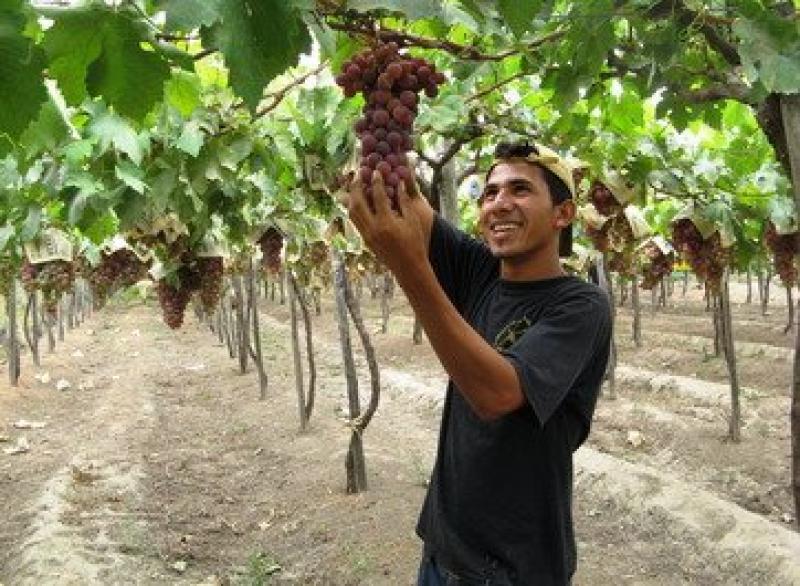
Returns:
point(278, 96)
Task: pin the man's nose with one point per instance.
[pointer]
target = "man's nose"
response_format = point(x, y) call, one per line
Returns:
point(503, 199)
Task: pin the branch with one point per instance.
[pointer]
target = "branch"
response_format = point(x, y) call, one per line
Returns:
point(483, 93)
point(688, 18)
point(173, 37)
point(277, 97)
point(465, 52)
point(204, 53)
point(711, 93)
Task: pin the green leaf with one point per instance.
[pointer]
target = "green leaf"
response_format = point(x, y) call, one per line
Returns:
point(162, 186)
point(128, 77)
point(182, 91)
point(130, 175)
point(46, 132)
point(111, 130)
point(519, 14)
point(187, 15)
point(100, 227)
point(99, 51)
point(235, 153)
point(6, 232)
point(76, 152)
point(69, 59)
point(22, 89)
point(32, 223)
point(770, 50)
point(191, 139)
point(77, 207)
point(259, 39)
point(413, 9)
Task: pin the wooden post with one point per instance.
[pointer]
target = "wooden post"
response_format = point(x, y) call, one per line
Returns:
point(258, 356)
point(47, 323)
point(12, 343)
point(60, 309)
point(607, 285)
point(416, 335)
point(296, 355)
point(726, 321)
point(637, 312)
point(33, 332)
point(355, 465)
point(790, 113)
point(242, 329)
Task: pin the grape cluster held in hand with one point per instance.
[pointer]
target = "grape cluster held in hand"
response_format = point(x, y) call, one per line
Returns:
point(390, 83)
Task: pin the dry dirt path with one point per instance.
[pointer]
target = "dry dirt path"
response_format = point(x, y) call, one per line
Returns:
point(161, 466)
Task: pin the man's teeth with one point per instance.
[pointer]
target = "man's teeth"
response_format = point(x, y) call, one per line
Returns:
point(503, 227)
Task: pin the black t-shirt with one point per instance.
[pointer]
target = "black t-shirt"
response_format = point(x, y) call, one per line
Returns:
point(501, 491)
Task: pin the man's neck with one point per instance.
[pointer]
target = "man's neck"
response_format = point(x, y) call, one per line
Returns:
point(510, 271)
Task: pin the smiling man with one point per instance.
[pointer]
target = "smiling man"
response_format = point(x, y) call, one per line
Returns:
point(525, 347)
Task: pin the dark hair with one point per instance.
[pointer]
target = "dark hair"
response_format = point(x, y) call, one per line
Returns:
point(559, 191)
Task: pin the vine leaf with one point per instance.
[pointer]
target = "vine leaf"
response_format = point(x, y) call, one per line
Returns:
point(109, 61)
point(22, 89)
point(191, 139)
point(182, 92)
point(413, 9)
point(259, 39)
point(46, 132)
point(519, 15)
point(131, 175)
point(111, 130)
point(187, 15)
point(770, 51)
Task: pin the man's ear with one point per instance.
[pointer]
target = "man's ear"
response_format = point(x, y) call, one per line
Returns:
point(565, 213)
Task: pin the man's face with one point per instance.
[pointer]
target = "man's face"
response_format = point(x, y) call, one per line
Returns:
point(517, 216)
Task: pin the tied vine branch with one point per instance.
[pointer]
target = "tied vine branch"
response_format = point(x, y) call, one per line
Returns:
point(390, 83)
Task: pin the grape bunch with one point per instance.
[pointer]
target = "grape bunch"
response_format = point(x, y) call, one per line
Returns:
point(116, 270)
point(390, 83)
point(173, 300)
point(620, 233)
point(211, 272)
point(785, 249)
point(271, 243)
point(602, 199)
point(621, 262)
point(706, 256)
point(53, 278)
point(657, 265)
point(599, 236)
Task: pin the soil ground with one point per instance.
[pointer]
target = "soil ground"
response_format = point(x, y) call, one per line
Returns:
point(160, 465)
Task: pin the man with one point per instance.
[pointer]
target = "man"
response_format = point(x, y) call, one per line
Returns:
point(525, 347)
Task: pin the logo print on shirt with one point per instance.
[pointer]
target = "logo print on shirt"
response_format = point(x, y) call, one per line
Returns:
point(509, 335)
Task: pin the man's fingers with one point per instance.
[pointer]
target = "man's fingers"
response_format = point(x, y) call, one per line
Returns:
point(356, 203)
point(403, 200)
point(379, 194)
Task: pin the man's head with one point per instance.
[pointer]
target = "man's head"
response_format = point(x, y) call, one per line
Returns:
point(527, 204)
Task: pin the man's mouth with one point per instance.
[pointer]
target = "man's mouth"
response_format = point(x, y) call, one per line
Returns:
point(503, 227)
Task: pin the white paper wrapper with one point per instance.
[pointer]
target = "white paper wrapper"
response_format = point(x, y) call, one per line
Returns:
point(52, 244)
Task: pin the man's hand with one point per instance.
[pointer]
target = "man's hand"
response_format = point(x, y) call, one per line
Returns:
point(398, 238)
